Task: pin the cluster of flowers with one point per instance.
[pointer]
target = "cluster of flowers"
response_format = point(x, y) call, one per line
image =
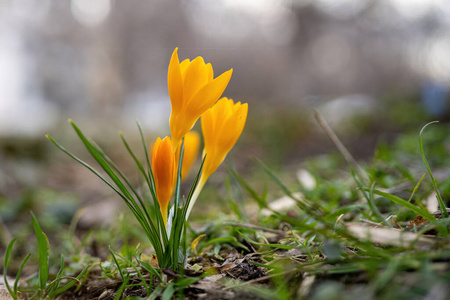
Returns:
point(194, 93)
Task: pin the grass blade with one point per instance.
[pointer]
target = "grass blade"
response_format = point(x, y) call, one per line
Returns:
point(160, 222)
point(103, 163)
point(121, 289)
point(70, 284)
point(5, 267)
point(119, 187)
point(58, 278)
point(43, 252)
point(442, 207)
point(19, 273)
point(278, 246)
point(305, 205)
point(117, 264)
point(86, 165)
point(375, 212)
point(416, 187)
point(259, 199)
point(146, 265)
point(155, 292)
point(145, 213)
point(168, 292)
point(406, 204)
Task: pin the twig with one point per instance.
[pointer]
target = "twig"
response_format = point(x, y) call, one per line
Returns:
point(375, 224)
point(337, 142)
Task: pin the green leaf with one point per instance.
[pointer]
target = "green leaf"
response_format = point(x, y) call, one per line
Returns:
point(155, 293)
point(43, 252)
point(125, 179)
point(304, 204)
point(375, 212)
point(433, 181)
point(19, 273)
point(160, 221)
point(55, 284)
point(185, 282)
point(168, 292)
point(416, 187)
point(122, 288)
point(259, 199)
point(117, 264)
point(5, 267)
point(147, 225)
point(71, 283)
point(406, 204)
point(279, 246)
point(146, 265)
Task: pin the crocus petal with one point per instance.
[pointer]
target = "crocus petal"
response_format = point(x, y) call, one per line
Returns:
point(213, 122)
point(197, 92)
point(183, 66)
point(195, 77)
point(208, 122)
point(210, 71)
point(221, 126)
point(191, 147)
point(208, 95)
point(163, 168)
point(175, 83)
point(233, 128)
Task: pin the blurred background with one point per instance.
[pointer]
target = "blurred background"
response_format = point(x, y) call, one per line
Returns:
point(373, 68)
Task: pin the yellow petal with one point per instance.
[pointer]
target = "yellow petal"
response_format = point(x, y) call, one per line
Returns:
point(191, 147)
point(208, 95)
point(163, 168)
point(208, 125)
point(175, 83)
point(212, 162)
point(183, 66)
point(233, 128)
point(210, 71)
point(155, 149)
point(196, 93)
point(196, 76)
point(221, 126)
point(213, 121)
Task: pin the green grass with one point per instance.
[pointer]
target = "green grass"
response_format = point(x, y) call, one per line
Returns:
point(316, 249)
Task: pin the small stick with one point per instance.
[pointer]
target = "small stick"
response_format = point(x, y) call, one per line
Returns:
point(337, 142)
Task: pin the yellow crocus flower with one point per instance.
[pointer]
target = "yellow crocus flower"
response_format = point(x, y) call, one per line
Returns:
point(192, 90)
point(222, 125)
point(191, 147)
point(163, 168)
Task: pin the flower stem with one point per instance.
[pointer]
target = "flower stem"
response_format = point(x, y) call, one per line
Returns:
point(164, 214)
point(197, 191)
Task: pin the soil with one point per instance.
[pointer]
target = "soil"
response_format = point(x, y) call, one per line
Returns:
point(216, 271)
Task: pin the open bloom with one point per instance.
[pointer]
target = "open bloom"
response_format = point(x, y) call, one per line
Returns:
point(191, 147)
point(192, 90)
point(222, 125)
point(163, 168)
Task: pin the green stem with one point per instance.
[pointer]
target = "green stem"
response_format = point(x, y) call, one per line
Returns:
point(197, 191)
